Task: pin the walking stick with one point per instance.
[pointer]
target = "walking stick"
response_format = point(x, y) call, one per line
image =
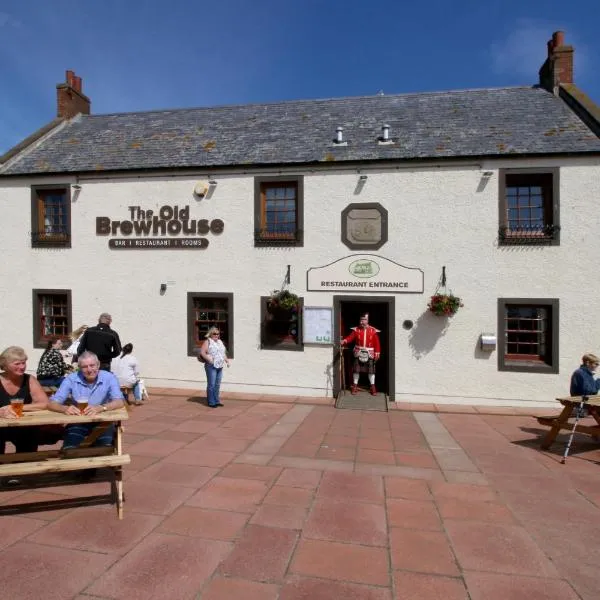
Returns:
point(578, 414)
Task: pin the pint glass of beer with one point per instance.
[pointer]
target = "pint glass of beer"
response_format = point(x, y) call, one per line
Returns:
point(17, 406)
point(82, 404)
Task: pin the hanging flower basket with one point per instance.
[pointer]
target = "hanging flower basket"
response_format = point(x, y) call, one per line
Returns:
point(444, 305)
point(283, 300)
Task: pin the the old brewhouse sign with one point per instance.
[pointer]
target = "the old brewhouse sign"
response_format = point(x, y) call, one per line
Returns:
point(167, 229)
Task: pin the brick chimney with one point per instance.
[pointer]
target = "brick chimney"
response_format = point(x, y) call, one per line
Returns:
point(558, 67)
point(70, 100)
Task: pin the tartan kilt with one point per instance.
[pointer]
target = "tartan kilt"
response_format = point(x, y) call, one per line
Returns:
point(360, 367)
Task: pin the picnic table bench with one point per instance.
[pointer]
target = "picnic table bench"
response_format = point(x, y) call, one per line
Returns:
point(556, 424)
point(85, 457)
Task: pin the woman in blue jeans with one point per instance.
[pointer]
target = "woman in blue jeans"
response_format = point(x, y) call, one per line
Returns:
point(214, 355)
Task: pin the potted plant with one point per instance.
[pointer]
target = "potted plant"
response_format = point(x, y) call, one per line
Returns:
point(283, 300)
point(444, 304)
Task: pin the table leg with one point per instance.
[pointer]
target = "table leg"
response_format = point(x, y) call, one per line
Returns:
point(119, 470)
point(558, 423)
point(119, 484)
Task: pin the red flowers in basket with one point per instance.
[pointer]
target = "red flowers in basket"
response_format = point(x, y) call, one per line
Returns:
point(444, 305)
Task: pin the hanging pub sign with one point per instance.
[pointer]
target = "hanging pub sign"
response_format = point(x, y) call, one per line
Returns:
point(365, 273)
point(166, 229)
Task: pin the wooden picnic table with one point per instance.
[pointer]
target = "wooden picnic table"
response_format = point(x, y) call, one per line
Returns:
point(84, 457)
point(570, 404)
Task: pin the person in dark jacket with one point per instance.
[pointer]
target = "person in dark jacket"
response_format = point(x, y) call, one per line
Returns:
point(582, 380)
point(103, 341)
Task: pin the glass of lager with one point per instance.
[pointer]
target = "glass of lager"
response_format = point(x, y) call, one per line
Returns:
point(17, 406)
point(82, 404)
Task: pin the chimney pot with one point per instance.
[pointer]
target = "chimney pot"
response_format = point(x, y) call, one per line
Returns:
point(558, 67)
point(558, 38)
point(70, 99)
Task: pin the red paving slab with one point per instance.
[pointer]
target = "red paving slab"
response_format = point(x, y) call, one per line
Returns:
point(209, 524)
point(492, 586)
point(261, 554)
point(342, 562)
point(306, 588)
point(350, 522)
point(162, 566)
point(295, 500)
point(54, 578)
point(222, 588)
point(418, 586)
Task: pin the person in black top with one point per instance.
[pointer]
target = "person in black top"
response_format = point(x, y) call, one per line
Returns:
point(15, 383)
point(52, 367)
point(103, 341)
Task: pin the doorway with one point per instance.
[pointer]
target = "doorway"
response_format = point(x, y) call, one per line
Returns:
point(347, 310)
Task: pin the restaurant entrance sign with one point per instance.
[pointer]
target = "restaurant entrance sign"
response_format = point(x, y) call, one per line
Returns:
point(365, 273)
point(165, 229)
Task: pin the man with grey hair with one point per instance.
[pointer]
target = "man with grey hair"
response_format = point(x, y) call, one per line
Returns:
point(99, 391)
point(103, 341)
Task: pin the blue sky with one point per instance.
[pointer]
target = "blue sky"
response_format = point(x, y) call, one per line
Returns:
point(136, 55)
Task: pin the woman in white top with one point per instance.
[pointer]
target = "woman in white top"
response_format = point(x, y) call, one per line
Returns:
point(214, 354)
point(126, 369)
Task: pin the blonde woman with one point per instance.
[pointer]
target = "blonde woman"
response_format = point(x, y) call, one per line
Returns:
point(15, 383)
point(214, 354)
point(75, 337)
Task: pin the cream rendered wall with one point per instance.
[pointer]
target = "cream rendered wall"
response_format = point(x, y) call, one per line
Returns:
point(437, 216)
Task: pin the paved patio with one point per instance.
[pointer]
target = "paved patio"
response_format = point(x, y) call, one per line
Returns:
point(290, 499)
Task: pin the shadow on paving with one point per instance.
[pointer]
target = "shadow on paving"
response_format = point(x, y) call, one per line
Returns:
point(581, 443)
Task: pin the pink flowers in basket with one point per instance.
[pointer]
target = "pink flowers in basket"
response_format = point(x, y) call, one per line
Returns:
point(444, 305)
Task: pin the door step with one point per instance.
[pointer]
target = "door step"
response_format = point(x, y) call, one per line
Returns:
point(362, 401)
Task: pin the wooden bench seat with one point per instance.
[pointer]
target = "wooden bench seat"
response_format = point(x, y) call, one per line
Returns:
point(59, 465)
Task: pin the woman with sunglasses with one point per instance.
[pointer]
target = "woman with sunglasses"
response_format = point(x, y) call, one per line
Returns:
point(214, 355)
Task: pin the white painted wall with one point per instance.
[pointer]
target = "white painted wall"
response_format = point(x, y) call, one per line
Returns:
point(437, 216)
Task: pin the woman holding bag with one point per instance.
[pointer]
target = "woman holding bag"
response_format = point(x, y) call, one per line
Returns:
point(214, 355)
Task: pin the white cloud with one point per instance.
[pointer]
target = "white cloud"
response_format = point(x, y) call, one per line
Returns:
point(524, 50)
point(7, 20)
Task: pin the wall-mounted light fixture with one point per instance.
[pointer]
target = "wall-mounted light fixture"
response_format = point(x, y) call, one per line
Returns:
point(163, 288)
point(212, 181)
point(487, 174)
point(360, 184)
point(76, 187)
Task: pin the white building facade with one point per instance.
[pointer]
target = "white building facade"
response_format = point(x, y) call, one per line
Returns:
point(504, 214)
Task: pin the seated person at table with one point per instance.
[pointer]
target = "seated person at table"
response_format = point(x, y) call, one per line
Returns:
point(51, 368)
point(15, 383)
point(100, 388)
point(582, 380)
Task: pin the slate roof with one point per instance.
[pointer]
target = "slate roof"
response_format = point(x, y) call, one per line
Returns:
point(487, 122)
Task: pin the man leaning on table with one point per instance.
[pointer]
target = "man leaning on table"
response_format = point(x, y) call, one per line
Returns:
point(583, 382)
point(102, 390)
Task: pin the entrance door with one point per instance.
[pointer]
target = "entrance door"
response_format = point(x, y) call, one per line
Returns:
point(347, 311)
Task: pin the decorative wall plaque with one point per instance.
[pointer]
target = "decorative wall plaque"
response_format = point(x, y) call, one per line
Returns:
point(364, 226)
